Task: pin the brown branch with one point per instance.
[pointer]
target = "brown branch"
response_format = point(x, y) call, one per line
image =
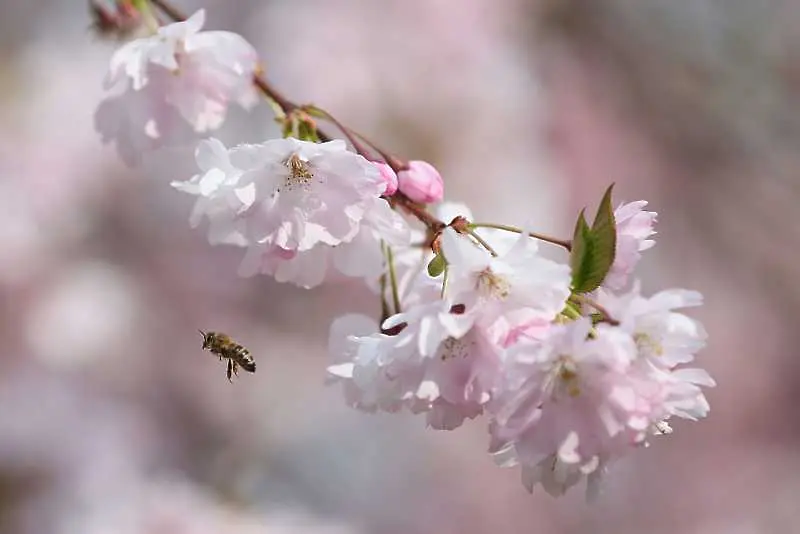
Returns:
point(398, 199)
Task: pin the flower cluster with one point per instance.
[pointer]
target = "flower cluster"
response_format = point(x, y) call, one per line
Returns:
point(566, 391)
point(299, 207)
point(571, 365)
point(173, 85)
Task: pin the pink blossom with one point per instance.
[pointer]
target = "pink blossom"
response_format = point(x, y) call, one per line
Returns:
point(421, 182)
point(514, 280)
point(179, 79)
point(388, 176)
point(665, 337)
point(634, 226)
point(361, 256)
point(439, 363)
point(298, 207)
point(570, 403)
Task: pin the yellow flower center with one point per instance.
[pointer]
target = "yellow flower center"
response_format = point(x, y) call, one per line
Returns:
point(492, 285)
point(565, 378)
point(648, 346)
point(300, 175)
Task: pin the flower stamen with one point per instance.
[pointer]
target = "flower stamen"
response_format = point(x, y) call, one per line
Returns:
point(647, 345)
point(452, 348)
point(300, 174)
point(492, 285)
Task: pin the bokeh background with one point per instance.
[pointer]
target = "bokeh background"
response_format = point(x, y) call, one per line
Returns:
point(112, 420)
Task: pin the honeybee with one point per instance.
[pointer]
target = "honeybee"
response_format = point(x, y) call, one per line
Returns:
point(224, 347)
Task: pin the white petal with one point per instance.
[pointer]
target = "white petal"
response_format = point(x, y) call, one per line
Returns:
point(186, 28)
point(568, 451)
point(211, 181)
point(695, 376)
point(343, 370)
point(460, 251)
point(428, 390)
point(210, 154)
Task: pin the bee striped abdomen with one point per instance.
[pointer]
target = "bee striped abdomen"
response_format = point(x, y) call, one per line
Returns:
point(224, 347)
point(242, 356)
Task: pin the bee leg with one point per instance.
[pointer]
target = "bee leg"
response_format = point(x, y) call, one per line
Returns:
point(235, 369)
point(230, 370)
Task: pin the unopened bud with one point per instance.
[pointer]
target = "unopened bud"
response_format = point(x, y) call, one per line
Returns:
point(421, 182)
point(388, 176)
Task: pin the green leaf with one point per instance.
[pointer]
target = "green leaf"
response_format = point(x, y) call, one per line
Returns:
point(581, 254)
point(593, 249)
point(437, 265)
point(604, 235)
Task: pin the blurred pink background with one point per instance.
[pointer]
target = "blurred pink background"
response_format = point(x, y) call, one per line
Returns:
point(112, 420)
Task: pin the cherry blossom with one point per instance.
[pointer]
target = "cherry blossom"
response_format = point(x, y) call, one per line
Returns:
point(517, 279)
point(569, 381)
point(174, 84)
point(389, 178)
point(582, 396)
point(634, 226)
point(298, 206)
point(663, 336)
point(421, 182)
point(431, 359)
point(359, 257)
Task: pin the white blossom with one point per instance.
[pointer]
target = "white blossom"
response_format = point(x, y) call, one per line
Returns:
point(634, 227)
point(516, 279)
point(174, 84)
point(299, 207)
point(431, 359)
point(581, 397)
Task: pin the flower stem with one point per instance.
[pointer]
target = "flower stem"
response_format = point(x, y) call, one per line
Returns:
point(393, 279)
point(483, 242)
point(348, 133)
point(444, 280)
point(417, 210)
point(571, 311)
point(390, 160)
point(385, 313)
point(607, 318)
point(508, 228)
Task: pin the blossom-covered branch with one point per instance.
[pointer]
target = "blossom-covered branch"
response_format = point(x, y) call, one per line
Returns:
point(571, 365)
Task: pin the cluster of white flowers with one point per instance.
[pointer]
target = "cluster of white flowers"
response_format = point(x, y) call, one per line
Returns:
point(565, 395)
point(569, 378)
point(298, 207)
point(174, 84)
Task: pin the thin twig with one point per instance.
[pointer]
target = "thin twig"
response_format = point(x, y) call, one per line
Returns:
point(346, 131)
point(483, 243)
point(393, 279)
point(288, 106)
point(542, 237)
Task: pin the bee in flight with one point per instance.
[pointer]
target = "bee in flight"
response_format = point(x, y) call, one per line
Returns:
point(224, 347)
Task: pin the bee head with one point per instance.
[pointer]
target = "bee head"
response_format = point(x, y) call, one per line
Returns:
point(208, 338)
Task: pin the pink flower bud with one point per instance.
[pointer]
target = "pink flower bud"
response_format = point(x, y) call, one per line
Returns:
point(389, 177)
point(421, 182)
